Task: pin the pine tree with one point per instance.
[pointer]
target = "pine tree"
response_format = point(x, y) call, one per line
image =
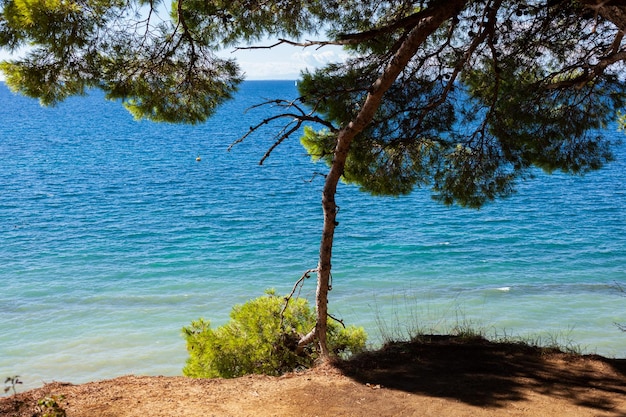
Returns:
point(462, 96)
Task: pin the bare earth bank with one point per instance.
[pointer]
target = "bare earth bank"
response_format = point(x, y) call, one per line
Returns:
point(440, 376)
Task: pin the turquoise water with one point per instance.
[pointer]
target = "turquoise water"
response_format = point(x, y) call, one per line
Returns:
point(113, 237)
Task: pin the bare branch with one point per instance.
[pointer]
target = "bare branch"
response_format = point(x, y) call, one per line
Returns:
point(280, 139)
point(487, 29)
point(287, 130)
point(305, 340)
point(617, 42)
point(281, 41)
point(355, 38)
point(406, 23)
point(589, 73)
point(307, 274)
point(315, 174)
point(309, 337)
point(299, 282)
point(337, 320)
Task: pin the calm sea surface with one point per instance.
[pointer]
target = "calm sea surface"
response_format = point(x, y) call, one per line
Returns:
point(113, 237)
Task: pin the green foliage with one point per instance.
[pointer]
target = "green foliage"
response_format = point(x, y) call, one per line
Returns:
point(398, 150)
point(621, 120)
point(50, 406)
point(319, 144)
point(469, 128)
point(490, 94)
point(231, 21)
point(158, 70)
point(258, 339)
point(483, 92)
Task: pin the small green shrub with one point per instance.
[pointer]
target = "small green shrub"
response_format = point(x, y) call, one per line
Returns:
point(258, 340)
point(50, 406)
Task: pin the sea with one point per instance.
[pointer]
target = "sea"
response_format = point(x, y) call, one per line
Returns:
point(116, 233)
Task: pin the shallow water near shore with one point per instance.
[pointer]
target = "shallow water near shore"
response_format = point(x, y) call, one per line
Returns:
point(113, 237)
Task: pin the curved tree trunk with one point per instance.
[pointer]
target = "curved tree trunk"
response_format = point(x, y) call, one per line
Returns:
point(433, 17)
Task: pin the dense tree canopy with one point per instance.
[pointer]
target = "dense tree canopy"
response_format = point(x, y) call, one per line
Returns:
point(540, 77)
point(462, 96)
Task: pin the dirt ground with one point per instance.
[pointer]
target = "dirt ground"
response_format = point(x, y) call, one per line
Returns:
point(440, 376)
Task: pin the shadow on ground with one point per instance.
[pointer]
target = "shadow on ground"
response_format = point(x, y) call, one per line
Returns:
point(487, 374)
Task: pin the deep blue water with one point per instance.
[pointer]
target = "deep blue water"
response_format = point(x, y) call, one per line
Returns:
point(113, 237)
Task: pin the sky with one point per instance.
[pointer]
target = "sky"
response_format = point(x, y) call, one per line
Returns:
point(282, 62)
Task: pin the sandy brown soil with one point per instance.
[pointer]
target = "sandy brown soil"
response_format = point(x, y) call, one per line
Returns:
point(439, 377)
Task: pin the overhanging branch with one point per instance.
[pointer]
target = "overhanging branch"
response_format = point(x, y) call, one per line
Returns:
point(281, 41)
point(288, 129)
point(589, 73)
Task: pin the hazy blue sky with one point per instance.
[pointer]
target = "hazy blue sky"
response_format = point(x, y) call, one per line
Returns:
point(283, 62)
point(279, 63)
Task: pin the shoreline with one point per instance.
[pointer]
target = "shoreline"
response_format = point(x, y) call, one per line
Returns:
point(439, 376)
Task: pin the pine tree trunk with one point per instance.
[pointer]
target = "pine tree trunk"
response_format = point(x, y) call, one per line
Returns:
point(328, 233)
point(436, 15)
